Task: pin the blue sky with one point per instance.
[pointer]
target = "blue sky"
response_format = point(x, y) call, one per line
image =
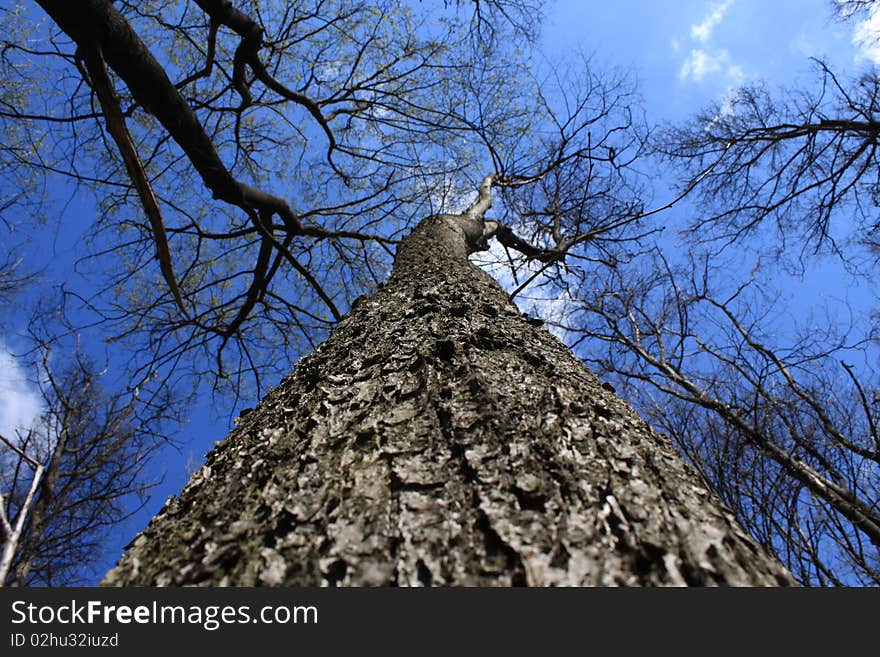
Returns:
point(685, 54)
point(689, 52)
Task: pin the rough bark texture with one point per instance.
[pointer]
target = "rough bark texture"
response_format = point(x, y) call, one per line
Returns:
point(441, 437)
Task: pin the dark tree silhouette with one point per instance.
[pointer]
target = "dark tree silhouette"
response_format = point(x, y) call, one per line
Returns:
point(784, 430)
point(780, 418)
point(72, 478)
point(797, 159)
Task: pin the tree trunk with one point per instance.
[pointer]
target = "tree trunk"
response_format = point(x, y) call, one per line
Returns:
point(441, 437)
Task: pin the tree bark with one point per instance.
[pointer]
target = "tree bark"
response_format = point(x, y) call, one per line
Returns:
point(440, 437)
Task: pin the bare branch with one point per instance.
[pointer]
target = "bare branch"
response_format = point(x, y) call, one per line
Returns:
point(103, 87)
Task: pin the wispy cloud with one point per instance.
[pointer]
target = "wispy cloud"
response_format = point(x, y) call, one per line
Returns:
point(553, 308)
point(703, 60)
point(20, 402)
point(866, 35)
point(804, 45)
point(701, 63)
point(726, 107)
point(702, 31)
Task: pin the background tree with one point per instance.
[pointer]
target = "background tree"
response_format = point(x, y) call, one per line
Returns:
point(70, 480)
point(797, 158)
point(785, 431)
point(781, 418)
point(75, 476)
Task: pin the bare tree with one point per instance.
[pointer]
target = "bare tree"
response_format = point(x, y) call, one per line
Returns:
point(12, 279)
point(13, 522)
point(441, 437)
point(69, 480)
point(524, 16)
point(780, 420)
point(848, 9)
point(785, 429)
point(797, 158)
point(72, 478)
point(296, 232)
point(403, 114)
point(14, 276)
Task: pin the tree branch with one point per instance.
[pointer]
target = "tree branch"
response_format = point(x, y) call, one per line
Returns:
point(100, 82)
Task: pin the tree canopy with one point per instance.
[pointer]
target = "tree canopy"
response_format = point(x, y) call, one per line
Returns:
point(254, 164)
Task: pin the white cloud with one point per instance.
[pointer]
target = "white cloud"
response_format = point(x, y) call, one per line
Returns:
point(866, 36)
point(701, 63)
point(704, 60)
point(550, 308)
point(736, 74)
point(20, 401)
point(702, 31)
point(450, 195)
point(803, 45)
point(725, 109)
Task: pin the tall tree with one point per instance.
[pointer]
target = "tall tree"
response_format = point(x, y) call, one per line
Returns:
point(319, 130)
point(441, 437)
